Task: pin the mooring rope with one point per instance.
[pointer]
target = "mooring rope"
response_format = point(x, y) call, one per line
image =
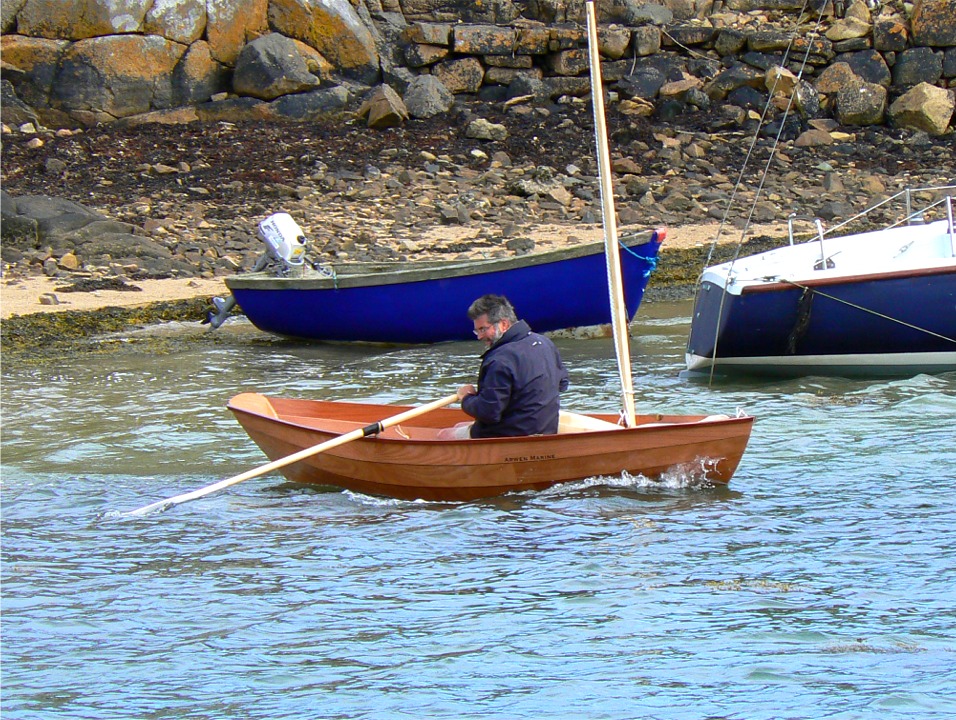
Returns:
point(651, 261)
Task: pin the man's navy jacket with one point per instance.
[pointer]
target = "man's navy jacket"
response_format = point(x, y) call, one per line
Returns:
point(519, 383)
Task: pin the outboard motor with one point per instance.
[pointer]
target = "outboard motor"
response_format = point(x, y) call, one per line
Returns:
point(284, 239)
point(285, 250)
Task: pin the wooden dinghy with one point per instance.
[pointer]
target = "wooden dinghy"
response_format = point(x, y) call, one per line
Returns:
point(408, 462)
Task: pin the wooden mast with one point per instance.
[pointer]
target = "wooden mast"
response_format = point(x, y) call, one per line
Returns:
point(615, 282)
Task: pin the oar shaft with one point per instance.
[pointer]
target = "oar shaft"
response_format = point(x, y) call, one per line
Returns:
point(300, 455)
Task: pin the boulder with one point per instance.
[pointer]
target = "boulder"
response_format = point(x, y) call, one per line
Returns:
point(813, 138)
point(230, 24)
point(638, 12)
point(780, 81)
point(614, 41)
point(173, 116)
point(733, 78)
point(768, 41)
point(644, 83)
point(236, 109)
point(729, 41)
point(79, 234)
point(481, 129)
point(570, 62)
point(917, 65)
point(861, 103)
point(316, 63)
point(859, 10)
point(484, 39)
point(102, 239)
point(429, 33)
point(309, 106)
point(182, 21)
point(678, 89)
point(463, 75)
point(398, 77)
point(18, 231)
point(427, 96)
point(932, 23)
point(806, 100)
point(505, 72)
point(837, 76)
point(847, 28)
point(533, 41)
point(748, 98)
point(12, 109)
point(550, 11)
point(384, 108)
point(418, 55)
point(271, 66)
point(8, 14)
point(108, 77)
point(522, 86)
point(646, 40)
point(335, 29)
point(924, 107)
point(890, 34)
point(689, 35)
point(568, 86)
point(197, 76)
point(949, 63)
point(869, 65)
point(818, 50)
point(80, 19)
point(32, 221)
point(43, 207)
point(35, 61)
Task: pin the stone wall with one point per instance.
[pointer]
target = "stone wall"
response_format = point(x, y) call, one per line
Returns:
point(84, 62)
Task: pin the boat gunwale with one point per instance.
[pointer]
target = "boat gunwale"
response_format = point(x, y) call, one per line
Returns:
point(385, 273)
point(750, 287)
point(655, 423)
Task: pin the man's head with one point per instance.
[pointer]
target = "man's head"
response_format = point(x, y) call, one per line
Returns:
point(492, 316)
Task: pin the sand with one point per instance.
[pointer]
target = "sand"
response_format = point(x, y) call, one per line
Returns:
point(22, 296)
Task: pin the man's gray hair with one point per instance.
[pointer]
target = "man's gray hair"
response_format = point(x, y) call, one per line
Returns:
point(496, 307)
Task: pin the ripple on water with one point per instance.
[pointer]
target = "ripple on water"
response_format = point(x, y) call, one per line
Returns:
point(818, 584)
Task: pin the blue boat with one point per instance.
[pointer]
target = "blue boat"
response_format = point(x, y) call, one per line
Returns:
point(427, 301)
point(869, 304)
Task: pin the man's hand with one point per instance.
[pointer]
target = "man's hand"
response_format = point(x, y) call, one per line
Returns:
point(466, 390)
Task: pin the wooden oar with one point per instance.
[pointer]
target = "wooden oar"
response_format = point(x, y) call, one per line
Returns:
point(372, 429)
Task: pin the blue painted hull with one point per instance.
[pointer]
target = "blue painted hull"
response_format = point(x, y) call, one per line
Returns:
point(569, 292)
point(885, 324)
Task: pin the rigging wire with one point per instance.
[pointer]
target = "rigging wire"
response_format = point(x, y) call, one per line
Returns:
point(870, 311)
point(763, 178)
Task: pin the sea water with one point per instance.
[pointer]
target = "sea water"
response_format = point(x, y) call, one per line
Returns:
point(820, 584)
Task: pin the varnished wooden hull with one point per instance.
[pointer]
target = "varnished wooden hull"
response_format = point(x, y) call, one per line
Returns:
point(407, 462)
